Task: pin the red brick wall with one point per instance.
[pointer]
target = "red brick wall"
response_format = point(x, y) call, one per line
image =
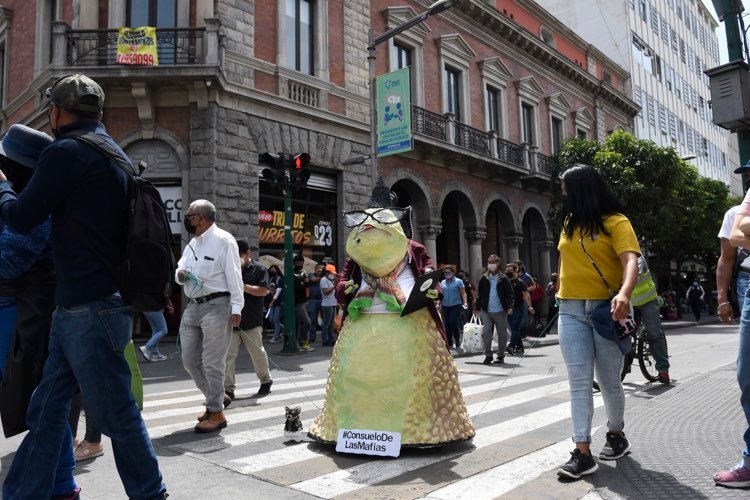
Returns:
point(266, 82)
point(20, 48)
point(336, 42)
point(265, 31)
point(122, 121)
point(336, 104)
point(103, 13)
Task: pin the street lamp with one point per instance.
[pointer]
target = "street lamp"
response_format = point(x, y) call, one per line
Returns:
point(372, 43)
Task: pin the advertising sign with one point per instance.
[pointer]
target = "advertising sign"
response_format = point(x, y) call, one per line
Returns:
point(172, 198)
point(365, 442)
point(309, 230)
point(394, 112)
point(137, 46)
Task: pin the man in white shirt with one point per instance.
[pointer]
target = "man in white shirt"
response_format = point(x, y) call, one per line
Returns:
point(211, 275)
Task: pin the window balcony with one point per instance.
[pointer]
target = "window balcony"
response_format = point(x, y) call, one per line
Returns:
point(186, 53)
point(499, 156)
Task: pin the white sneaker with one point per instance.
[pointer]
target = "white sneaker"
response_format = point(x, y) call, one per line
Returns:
point(158, 357)
point(146, 353)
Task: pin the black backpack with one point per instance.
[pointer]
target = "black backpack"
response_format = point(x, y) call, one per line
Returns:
point(694, 293)
point(145, 276)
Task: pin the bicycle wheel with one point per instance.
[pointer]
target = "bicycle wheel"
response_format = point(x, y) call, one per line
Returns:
point(645, 358)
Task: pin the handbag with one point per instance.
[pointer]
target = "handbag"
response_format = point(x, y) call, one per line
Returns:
point(472, 339)
point(624, 328)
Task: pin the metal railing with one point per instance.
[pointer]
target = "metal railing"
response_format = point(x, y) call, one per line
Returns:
point(98, 47)
point(428, 123)
point(544, 164)
point(472, 138)
point(510, 152)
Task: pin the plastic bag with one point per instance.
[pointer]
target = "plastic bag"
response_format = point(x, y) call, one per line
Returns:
point(472, 340)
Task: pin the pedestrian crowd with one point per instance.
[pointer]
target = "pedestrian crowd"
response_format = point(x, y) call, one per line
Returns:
point(61, 307)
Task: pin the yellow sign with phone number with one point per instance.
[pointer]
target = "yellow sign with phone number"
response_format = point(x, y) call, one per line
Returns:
point(137, 46)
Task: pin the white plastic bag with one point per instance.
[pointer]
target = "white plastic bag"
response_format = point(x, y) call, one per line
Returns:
point(472, 342)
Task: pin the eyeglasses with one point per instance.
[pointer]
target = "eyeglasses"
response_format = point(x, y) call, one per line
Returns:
point(387, 215)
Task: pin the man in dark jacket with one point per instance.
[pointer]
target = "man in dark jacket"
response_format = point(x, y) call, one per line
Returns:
point(494, 303)
point(85, 192)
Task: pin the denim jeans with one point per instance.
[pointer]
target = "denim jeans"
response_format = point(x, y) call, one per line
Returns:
point(313, 308)
point(583, 351)
point(327, 330)
point(656, 337)
point(86, 347)
point(516, 320)
point(450, 317)
point(158, 325)
point(743, 357)
point(276, 320)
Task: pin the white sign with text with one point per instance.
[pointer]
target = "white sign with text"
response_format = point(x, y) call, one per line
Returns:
point(367, 442)
point(172, 197)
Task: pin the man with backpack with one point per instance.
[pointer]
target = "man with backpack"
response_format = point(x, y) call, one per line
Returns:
point(86, 192)
point(694, 297)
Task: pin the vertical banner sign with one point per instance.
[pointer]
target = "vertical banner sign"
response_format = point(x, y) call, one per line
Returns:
point(137, 46)
point(394, 112)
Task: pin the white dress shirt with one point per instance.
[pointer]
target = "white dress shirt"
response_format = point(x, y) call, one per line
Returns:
point(214, 259)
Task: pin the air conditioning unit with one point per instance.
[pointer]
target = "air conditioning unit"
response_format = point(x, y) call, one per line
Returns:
point(730, 95)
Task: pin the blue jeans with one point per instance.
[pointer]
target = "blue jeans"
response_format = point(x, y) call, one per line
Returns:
point(158, 324)
point(743, 357)
point(7, 325)
point(327, 330)
point(86, 347)
point(516, 320)
point(313, 308)
point(276, 320)
point(656, 337)
point(583, 351)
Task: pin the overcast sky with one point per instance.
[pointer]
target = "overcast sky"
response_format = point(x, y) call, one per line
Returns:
point(721, 30)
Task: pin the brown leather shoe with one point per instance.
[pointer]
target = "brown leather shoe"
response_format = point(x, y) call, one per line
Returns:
point(203, 416)
point(214, 422)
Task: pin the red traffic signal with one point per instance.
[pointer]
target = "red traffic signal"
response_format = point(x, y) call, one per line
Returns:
point(299, 172)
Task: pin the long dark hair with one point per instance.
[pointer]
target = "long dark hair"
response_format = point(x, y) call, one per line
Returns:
point(278, 271)
point(589, 201)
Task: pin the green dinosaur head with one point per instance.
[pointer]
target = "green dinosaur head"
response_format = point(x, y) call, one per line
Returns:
point(378, 243)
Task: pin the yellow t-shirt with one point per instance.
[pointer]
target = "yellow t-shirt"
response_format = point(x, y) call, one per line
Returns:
point(578, 278)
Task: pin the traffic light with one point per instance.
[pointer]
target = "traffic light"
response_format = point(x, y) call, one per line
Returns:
point(299, 172)
point(274, 171)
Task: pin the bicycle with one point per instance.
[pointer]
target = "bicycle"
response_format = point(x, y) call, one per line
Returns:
point(640, 350)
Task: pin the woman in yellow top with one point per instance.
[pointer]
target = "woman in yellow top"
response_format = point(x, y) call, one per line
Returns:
point(595, 235)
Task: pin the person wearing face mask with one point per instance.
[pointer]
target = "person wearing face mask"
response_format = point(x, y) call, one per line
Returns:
point(301, 283)
point(250, 330)
point(276, 304)
point(453, 303)
point(328, 306)
point(494, 303)
point(74, 181)
point(211, 276)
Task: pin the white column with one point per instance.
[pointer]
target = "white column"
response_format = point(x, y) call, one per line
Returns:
point(429, 235)
point(475, 239)
point(511, 247)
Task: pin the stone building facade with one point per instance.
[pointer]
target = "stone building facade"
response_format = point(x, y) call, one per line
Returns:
point(238, 78)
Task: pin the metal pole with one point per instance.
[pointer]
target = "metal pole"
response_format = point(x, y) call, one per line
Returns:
point(290, 318)
point(373, 108)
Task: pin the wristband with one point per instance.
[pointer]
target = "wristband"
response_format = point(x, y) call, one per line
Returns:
point(724, 304)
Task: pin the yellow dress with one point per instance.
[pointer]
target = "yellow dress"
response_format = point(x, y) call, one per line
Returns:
point(389, 373)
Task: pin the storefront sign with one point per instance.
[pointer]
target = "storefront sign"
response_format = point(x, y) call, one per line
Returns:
point(172, 198)
point(306, 230)
point(367, 442)
point(394, 112)
point(137, 46)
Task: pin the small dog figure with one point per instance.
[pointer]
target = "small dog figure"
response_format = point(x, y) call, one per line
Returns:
point(293, 425)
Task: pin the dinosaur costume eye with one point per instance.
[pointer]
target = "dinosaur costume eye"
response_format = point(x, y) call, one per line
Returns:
point(387, 215)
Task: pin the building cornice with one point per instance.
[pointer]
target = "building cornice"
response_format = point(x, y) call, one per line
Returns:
point(501, 26)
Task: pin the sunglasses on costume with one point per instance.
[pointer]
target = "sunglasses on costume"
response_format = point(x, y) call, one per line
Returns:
point(386, 215)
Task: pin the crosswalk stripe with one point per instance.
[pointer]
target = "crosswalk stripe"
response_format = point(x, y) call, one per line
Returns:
point(256, 463)
point(370, 473)
point(155, 396)
point(197, 409)
point(507, 476)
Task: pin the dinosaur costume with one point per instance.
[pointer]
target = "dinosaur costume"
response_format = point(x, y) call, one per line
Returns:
point(387, 372)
